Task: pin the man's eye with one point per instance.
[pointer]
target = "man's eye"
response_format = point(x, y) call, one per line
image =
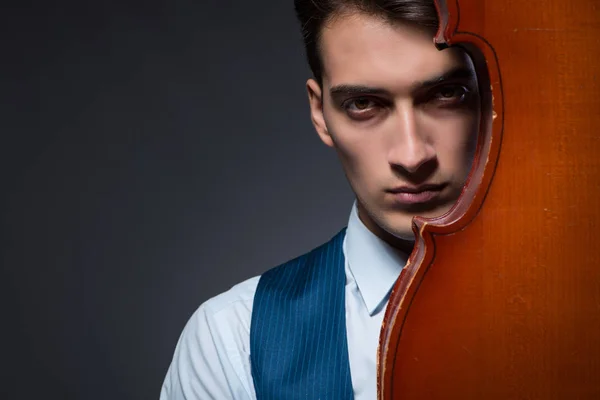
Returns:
point(455, 94)
point(359, 104)
point(362, 108)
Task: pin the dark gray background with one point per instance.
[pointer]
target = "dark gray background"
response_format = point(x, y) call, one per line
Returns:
point(153, 154)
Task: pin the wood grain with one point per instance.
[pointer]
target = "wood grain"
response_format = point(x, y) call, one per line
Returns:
point(501, 297)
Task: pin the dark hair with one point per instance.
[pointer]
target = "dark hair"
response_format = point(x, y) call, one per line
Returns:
point(313, 14)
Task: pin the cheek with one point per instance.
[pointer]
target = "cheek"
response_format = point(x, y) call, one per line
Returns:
point(456, 146)
point(361, 156)
point(359, 162)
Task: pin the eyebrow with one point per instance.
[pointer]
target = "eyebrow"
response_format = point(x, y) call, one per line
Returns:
point(457, 73)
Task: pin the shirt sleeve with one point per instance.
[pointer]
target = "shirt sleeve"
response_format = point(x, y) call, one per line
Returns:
point(211, 360)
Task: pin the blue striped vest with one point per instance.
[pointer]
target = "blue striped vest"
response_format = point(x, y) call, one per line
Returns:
point(298, 343)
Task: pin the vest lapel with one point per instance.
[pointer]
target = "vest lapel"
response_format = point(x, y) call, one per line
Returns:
point(298, 343)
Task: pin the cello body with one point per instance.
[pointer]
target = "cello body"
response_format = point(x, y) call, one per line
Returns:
point(500, 298)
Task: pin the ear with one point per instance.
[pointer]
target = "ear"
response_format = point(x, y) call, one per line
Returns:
point(315, 100)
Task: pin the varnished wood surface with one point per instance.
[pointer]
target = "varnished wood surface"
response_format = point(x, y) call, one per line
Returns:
point(501, 299)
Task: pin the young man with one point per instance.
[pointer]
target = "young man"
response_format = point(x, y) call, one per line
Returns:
point(403, 119)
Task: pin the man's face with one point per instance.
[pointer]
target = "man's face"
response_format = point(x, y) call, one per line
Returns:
point(402, 116)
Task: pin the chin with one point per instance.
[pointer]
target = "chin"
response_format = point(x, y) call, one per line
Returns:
point(385, 222)
point(403, 234)
point(400, 229)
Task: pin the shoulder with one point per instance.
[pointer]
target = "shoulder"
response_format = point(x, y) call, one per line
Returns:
point(211, 358)
point(239, 296)
point(227, 315)
point(232, 310)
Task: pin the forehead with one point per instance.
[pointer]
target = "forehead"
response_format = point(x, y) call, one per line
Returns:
point(363, 49)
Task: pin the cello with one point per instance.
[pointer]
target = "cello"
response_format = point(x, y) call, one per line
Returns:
point(500, 298)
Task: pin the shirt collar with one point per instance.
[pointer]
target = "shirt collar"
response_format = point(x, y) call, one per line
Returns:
point(374, 264)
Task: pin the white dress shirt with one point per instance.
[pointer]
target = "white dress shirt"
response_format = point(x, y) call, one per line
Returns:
point(212, 357)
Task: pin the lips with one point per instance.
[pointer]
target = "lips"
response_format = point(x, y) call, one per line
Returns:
point(414, 195)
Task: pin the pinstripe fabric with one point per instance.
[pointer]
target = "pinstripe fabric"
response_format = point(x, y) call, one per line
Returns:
point(298, 343)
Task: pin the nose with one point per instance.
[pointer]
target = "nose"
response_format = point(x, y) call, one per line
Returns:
point(410, 145)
